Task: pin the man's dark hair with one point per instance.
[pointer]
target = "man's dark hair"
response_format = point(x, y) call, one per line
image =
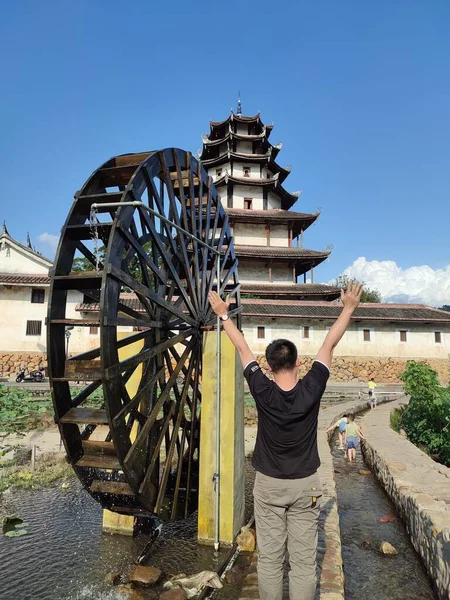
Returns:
point(281, 355)
point(351, 416)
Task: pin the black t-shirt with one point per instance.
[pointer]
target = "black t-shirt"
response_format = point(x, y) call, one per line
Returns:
point(286, 444)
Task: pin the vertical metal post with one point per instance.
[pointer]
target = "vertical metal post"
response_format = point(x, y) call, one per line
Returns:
point(218, 390)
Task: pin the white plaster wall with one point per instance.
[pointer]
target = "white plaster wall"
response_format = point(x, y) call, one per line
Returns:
point(241, 191)
point(238, 170)
point(15, 260)
point(16, 309)
point(386, 339)
point(273, 201)
point(279, 236)
point(250, 234)
point(226, 167)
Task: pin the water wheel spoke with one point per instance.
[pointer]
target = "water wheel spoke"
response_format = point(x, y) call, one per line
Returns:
point(136, 452)
point(142, 289)
point(173, 214)
point(139, 397)
point(146, 354)
point(146, 482)
point(96, 264)
point(166, 257)
point(84, 394)
point(173, 442)
point(191, 224)
point(206, 253)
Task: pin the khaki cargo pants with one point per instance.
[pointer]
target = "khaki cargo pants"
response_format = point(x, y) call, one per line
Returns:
point(287, 510)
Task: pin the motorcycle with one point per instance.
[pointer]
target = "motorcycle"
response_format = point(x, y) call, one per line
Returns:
point(36, 376)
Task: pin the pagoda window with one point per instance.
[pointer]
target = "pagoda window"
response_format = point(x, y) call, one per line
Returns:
point(261, 333)
point(437, 337)
point(366, 335)
point(306, 332)
point(218, 172)
point(403, 335)
point(247, 171)
point(248, 203)
point(93, 330)
point(268, 175)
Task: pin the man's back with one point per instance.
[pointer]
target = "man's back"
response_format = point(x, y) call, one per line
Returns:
point(286, 444)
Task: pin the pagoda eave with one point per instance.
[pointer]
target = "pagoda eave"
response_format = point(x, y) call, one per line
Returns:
point(297, 221)
point(295, 291)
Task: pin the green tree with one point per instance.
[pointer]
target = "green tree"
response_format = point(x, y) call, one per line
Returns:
point(367, 295)
point(426, 419)
point(446, 307)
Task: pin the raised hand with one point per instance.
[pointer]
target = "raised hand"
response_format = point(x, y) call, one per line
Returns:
point(219, 306)
point(351, 297)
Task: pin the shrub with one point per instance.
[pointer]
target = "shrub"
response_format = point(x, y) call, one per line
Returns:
point(426, 420)
point(396, 419)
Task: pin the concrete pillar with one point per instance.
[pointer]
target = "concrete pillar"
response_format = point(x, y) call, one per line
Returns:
point(232, 453)
point(114, 522)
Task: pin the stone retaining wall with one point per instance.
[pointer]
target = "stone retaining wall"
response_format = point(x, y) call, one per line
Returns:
point(383, 370)
point(418, 487)
point(11, 362)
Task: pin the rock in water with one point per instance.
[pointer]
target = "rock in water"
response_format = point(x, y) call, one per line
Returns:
point(386, 519)
point(195, 584)
point(246, 541)
point(387, 549)
point(145, 575)
point(175, 594)
point(112, 578)
point(127, 592)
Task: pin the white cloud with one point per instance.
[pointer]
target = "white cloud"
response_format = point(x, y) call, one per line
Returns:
point(49, 240)
point(420, 285)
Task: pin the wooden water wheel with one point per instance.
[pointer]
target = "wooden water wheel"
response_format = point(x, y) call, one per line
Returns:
point(137, 451)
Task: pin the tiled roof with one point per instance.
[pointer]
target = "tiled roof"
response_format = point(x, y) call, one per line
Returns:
point(317, 309)
point(306, 289)
point(23, 279)
point(327, 310)
point(278, 252)
point(273, 214)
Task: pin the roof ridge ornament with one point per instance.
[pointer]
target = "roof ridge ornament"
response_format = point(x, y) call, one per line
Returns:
point(29, 241)
point(5, 229)
point(239, 105)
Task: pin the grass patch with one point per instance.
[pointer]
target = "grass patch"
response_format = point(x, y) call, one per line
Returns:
point(396, 418)
point(49, 469)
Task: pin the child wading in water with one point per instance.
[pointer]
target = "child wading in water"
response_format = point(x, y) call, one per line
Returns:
point(352, 434)
point(342, 424)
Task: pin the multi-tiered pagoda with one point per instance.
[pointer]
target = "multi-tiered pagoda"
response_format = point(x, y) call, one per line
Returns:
point(268, 236)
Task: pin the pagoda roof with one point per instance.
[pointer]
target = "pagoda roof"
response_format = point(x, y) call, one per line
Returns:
point(367, 311)
point(208, 143)
point(246, 137)
point(239, 119)
point(301, 221)
point(279, 252)
point(287, 199)
point(298, 291)
point(265, 158)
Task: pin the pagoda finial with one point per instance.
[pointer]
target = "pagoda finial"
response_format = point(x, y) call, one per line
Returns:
point(4, 229)
point(29, 241)
point(239, 105)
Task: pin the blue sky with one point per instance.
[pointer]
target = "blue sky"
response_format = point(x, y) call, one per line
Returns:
point(359, 93)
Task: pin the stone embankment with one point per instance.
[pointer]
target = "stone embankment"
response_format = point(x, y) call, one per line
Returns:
point(329, 556)
point(361, 369)
point(11, 362)
point(418, 487)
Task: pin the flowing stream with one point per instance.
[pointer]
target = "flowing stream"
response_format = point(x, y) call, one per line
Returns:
point(368, 573)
